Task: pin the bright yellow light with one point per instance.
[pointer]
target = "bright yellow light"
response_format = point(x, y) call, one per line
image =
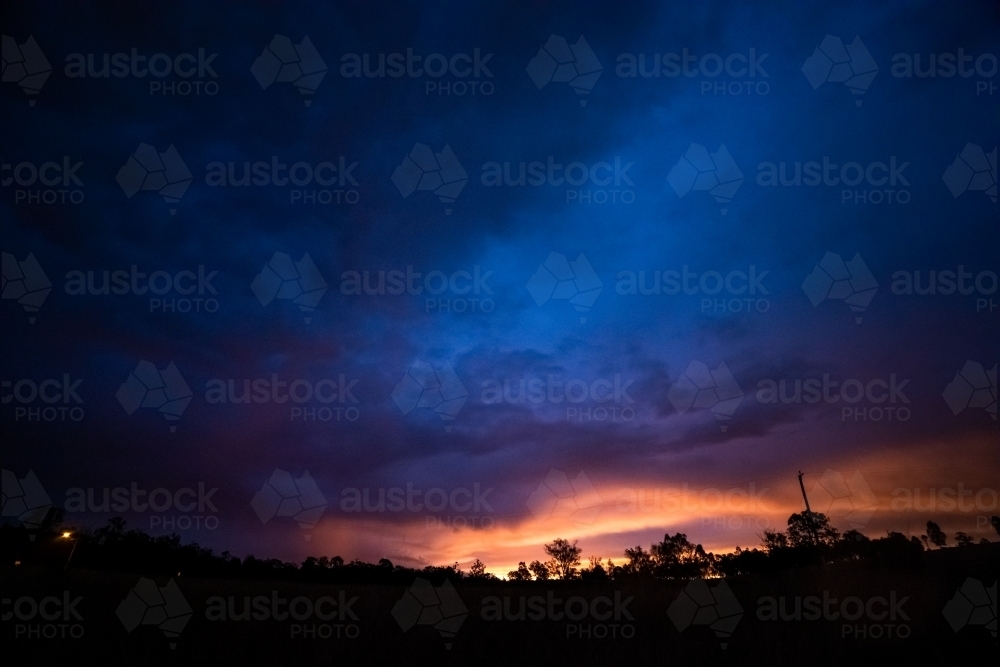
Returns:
point(67, 534)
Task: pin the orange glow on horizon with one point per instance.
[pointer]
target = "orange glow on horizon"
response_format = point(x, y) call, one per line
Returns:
point(719, 518)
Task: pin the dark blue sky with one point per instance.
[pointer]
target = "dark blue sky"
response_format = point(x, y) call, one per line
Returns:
point(638, 145)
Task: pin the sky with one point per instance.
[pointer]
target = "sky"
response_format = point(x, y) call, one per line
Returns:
point(719, 204)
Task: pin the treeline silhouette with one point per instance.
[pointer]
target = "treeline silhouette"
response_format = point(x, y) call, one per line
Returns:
point(808, 540)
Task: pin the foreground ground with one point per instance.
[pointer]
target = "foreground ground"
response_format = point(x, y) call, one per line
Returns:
point(897, 616)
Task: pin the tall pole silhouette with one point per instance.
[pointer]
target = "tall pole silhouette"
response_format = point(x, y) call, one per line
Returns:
point(809, 515)
point(804, 496)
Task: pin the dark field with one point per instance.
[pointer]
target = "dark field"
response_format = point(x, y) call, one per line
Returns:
point(919, 634)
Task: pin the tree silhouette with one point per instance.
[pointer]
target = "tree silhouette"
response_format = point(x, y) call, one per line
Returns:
point(810, 528)
point(522, 573)
point(115, 548)
point(935, 535)
point(596, 571)
point(539, 569)
point(853, 535)
point(565, 558)
point(478, 571)
point(772, 541)
point(995, 521)
point(640, 562)
point(677, 558)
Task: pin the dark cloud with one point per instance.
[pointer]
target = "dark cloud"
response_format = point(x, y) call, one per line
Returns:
point(502, 232)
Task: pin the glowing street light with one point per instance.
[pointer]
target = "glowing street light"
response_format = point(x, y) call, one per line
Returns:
point(67, 535)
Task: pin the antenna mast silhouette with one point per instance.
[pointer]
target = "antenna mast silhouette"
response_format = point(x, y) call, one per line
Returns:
point(804, 497)
point(809, 515)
